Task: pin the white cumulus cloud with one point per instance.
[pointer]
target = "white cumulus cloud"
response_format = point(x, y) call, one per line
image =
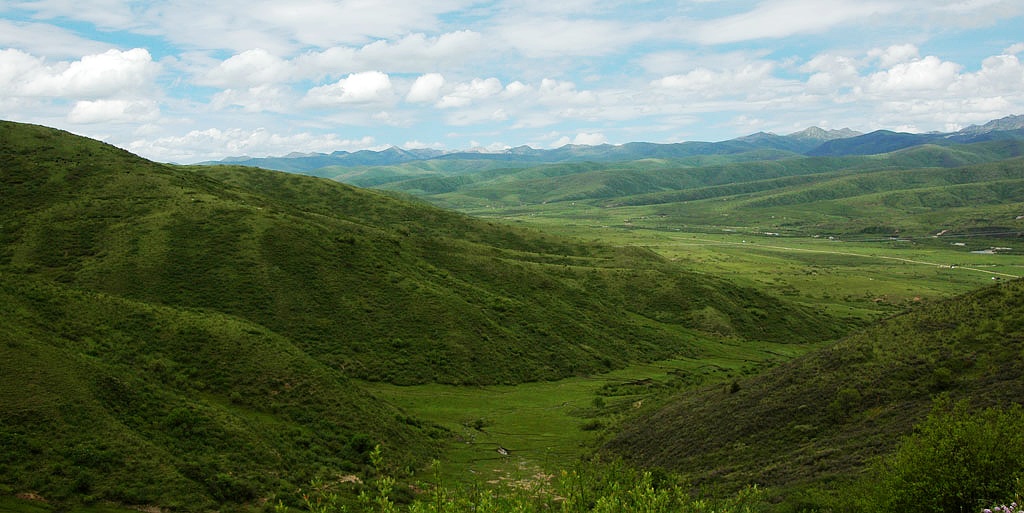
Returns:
point(426, 88)
point(590, 139)
point(466, 92)
point(896, 54)
point(251, 67)
point(218, 143)
point(929, 73)
point(114, 111)
point(94, 76)
point(356, 88)
point(562, 92)
point(830, 73)
point(709, 83)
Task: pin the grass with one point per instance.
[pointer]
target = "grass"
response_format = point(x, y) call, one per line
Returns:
point(386, 289)
point(205, 337)
point(819, 418)
point(26, 505)
point(550, 426)
point(188, 336)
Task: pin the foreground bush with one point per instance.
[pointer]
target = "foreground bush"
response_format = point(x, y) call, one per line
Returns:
point(593, 488)
point(957, 460)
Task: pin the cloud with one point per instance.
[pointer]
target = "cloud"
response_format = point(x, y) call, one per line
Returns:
point(46, 40)
point(1000, 75)
point(896, 54)
point(784, 18)
point(239, 25)
point(105, 14)
point(217, 143)
point(477, 116)
point(1014, 49)
point(516, 88)
point(420, 145)
point(590, 139)
point(968, 14)
point(261, 98)
point(581, 139)
point(251, 67)
point(417, 52)
point(559, 92)
point(466, 93)
point(412, 53)
point(426, 88)
point(707, 83)
point(830, 73)
point(94, 76)
point(546, 37)
point(114, 111)
point(927, 74)
point(357, 88)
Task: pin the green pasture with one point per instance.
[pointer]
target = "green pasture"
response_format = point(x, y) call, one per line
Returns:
point(546, 426)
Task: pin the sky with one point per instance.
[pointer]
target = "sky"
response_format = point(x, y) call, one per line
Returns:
point(188, 80)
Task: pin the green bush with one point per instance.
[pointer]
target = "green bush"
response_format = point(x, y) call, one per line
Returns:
point(956, 460)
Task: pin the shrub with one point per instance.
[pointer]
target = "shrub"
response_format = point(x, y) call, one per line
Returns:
point(957, 460)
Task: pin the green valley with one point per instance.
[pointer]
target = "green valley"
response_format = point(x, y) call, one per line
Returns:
point(682, 326)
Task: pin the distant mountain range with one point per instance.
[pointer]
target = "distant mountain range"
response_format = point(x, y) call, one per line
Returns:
point(812, 141)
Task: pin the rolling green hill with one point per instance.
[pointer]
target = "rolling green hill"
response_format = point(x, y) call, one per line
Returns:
point(655, 181)
point(821, 417)
point(916, 192)
point(186, 336)
point(105, 398)
point(384, 289)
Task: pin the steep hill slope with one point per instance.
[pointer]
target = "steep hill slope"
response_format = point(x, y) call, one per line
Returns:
point(104, 398)
point(385, 289)
point(823, 415)
point(186, 336)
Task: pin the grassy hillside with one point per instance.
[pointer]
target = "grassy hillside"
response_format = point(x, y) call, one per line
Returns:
point(186, 336)
point(384, 289)
point(105, 398)
point(822, 416)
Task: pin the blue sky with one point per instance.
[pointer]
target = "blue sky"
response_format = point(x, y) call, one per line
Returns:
point(190, 80)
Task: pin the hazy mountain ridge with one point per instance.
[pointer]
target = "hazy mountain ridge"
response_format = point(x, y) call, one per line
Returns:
point(813, 141)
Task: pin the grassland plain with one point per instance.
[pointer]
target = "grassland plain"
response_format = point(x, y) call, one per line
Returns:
point(186, 337)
